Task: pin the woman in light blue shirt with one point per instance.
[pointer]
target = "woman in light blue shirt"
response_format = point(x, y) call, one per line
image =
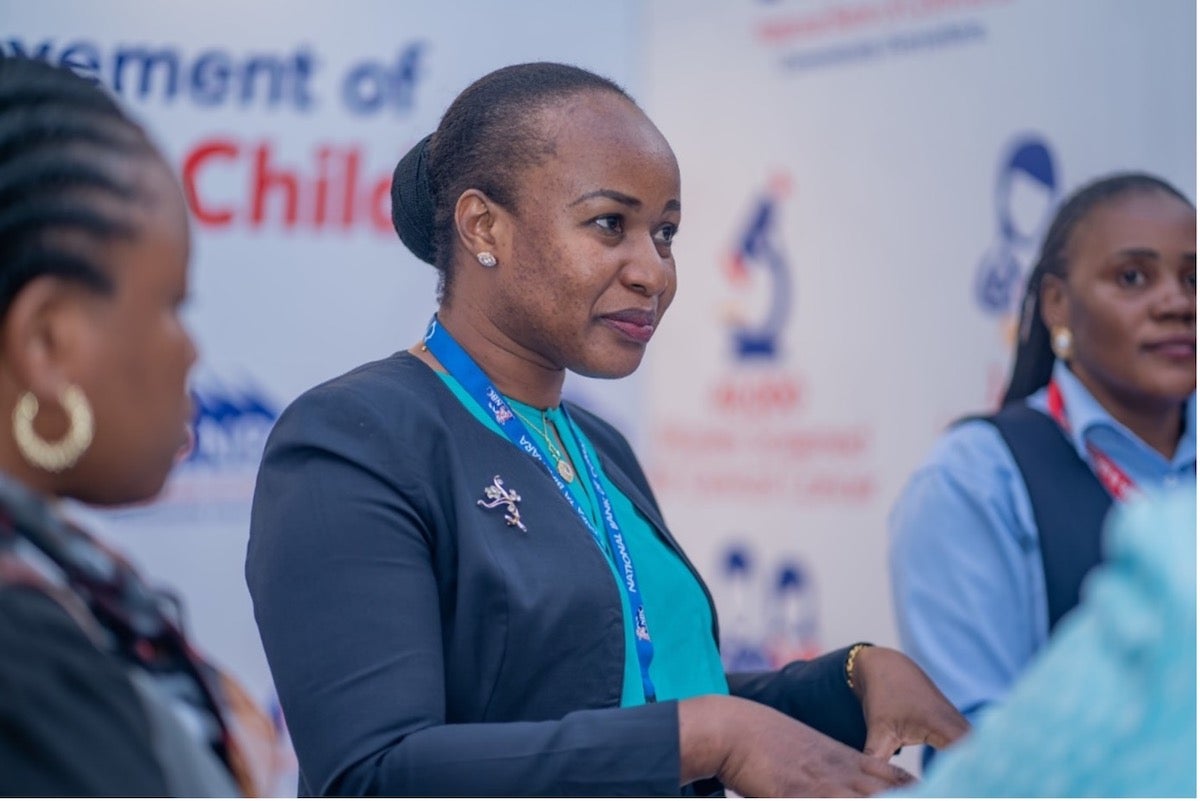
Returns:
point(1108, 709)
point(991, 537)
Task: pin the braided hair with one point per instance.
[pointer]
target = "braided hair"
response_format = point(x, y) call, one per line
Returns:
point(1034, 358)
point(486, 138)
point(63, 144)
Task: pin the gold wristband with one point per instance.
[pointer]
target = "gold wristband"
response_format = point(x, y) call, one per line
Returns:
point(850, 657)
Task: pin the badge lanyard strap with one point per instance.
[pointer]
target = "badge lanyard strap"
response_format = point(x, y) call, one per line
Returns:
point(463, 369)
point(641, 630)
point(1115, 480)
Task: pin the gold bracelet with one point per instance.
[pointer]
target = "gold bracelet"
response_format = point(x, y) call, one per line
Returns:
point(850, 657)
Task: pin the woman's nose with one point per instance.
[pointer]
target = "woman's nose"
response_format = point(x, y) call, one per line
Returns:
point(648, 272)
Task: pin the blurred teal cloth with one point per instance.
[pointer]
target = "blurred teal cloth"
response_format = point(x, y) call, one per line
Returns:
point(1109, 708)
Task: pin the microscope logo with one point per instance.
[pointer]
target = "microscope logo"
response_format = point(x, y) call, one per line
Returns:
point(759, 278)
point(1025, 193)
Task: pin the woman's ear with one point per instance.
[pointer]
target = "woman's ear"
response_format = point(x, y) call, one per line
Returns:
point(43, 333)
point(1055, 304)
point(481, 223)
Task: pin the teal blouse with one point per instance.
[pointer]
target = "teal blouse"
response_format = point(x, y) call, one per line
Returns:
point(686, 662)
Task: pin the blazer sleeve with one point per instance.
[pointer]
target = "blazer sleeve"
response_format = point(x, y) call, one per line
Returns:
point(814, 692)
point(341, 569)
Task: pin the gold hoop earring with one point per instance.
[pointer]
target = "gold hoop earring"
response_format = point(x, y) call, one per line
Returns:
point(54, 457)
point(1061, 342)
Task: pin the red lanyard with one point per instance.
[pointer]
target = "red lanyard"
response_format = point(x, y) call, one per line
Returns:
point(1114, 479)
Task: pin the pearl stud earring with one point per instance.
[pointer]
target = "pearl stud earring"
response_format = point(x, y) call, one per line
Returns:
point(1061, 342)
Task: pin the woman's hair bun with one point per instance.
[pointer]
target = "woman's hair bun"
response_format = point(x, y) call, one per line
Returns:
point(412, 202)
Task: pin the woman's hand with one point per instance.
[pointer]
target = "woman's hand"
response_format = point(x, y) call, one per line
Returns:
point(758, 752)
point(900, 704)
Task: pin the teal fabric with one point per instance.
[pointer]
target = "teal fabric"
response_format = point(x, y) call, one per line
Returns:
point(686, 662)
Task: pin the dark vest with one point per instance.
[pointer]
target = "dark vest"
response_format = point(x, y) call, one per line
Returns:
point(1069, 503)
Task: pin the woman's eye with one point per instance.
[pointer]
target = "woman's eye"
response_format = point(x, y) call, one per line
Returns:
point(612, 223)
point(1131, 277)
point(1189, 281)
point(666, 234)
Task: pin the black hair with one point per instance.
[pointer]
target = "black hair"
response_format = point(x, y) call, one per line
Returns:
point(62, 143)
point(486, 138)
point(1034, 358)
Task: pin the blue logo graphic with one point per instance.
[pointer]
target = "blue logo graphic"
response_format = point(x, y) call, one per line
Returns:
point(1025, 194)
point(756, 334)
point(768, 612)
point(231, 424)
point(794, 611)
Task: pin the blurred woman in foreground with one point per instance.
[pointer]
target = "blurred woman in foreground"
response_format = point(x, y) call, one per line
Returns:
point(100, 693)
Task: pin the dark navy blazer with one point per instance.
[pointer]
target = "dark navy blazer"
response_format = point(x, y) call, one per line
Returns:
point(420, 645)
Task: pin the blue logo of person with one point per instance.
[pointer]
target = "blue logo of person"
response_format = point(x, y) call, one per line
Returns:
point(1027, 165)
point(742, 648)
point(757, 248)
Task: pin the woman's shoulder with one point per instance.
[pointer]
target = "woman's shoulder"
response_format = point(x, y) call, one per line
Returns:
point(398, 385)
point(968, 441)
point(967, 487)
point(395, 398)
point(399, 376)
point(968, 458)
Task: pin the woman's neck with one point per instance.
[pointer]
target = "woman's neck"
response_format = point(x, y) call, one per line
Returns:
point(514, 370)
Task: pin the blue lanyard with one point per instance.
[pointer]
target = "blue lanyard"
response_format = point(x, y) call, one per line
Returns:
point(463, 369)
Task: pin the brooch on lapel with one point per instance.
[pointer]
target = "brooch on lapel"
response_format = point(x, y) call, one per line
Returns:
point(498, 496)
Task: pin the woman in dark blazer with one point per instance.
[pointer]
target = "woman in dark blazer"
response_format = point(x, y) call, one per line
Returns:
point(465, 585)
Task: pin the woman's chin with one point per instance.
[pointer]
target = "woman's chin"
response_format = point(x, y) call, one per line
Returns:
point(139, 490)
point(609, 370)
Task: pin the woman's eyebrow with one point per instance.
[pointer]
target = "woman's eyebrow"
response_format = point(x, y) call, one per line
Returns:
point(611, 194)
point(1139, 253)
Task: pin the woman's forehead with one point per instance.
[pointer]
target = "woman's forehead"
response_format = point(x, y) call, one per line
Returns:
point(1140, 214)
point(594, 137)
point(600, 120)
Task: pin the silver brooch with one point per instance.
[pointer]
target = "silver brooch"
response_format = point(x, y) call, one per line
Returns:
point(498, 496)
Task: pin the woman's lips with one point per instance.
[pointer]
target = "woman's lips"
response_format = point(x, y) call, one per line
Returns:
point(1173, 348)
point(188, 445)
point(635, 324)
